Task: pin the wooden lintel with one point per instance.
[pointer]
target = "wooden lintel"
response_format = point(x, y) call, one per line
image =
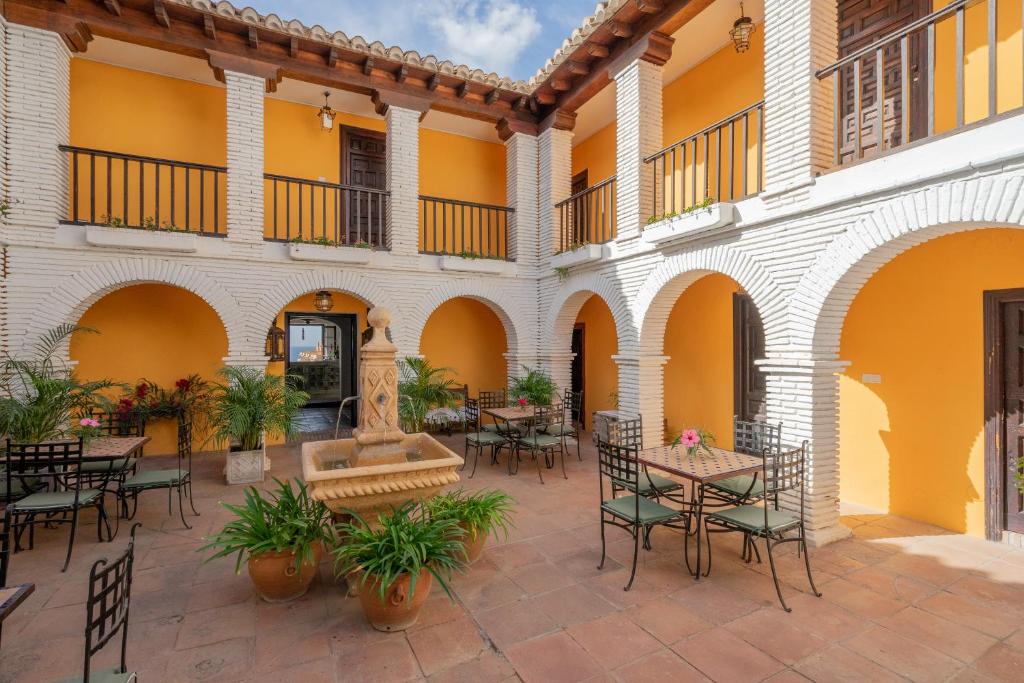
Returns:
point(113, 6)
point(402, 74)
point(649, 6)
point(254, 38)
point(160, 13)
point(620, 29)
point(332, 57)
point(433, 82)
point(560, 119)
point(577, 68)
point(462, 90)
point(293, 47)
point(382, 99)
point(492, 97)
point(368, 66)
point(597, 50)
point(77, 37)
point(545, 97)
point(560, 84)
point(222, 61)
point(509, 127)
point(209, 27)
point(655, 47)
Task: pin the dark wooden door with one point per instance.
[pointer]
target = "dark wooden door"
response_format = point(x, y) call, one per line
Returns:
point(862, 22)
point(363, 165)
point(749, 385)
point(1004, 398)
point(580, 209)
point(577, 369)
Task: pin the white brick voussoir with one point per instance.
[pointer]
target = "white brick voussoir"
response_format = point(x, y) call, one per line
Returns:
point(513, 316)
point(571, 297)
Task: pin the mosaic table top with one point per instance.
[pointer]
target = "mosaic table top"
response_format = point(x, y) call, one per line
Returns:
point(699, 467)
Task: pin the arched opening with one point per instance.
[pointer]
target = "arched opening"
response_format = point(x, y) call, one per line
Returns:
point(912, 414)
point(321, 349)
point(593, 371)
point(466, 336)
point(713, 335)
point(154, 332)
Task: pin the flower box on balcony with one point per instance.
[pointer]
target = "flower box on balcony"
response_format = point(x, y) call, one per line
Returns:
point(330, 254)
point(486, 266)
point(136, 238)
point(584, 253)
point(687, 224)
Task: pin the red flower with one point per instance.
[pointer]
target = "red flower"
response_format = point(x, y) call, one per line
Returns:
point(141, 390)
point(522, 403)
point(183, 385)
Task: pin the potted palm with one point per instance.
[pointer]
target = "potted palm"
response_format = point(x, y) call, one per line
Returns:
point(280, 536)
point(421, 388)
point(535, 387)
point(396, 561)
point(479, 515)
point(244, 409)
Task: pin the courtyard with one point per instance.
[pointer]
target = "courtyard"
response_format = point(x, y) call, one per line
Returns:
point(901, 601)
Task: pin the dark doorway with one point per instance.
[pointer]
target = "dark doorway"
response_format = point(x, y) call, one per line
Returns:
point(577, 373)
point(320, 348)
point(579, 208)
point(749, 384)
point(1004, 411)
point(362, 165)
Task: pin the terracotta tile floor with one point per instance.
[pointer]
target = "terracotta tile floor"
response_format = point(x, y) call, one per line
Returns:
point(902, 600)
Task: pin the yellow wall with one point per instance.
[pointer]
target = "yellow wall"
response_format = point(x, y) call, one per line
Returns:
point(157, 332)
point(699, 373)
point(914, 444)
point(466, 336)
point(601, 377)
point(596, 155)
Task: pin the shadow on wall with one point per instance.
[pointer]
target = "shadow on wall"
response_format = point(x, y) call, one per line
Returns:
point(467, 337)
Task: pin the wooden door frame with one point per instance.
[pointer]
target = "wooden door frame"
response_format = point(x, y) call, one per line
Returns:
point(288, 315)
point(346, 133)
point(582, 327)
point(995, 468)
point(581, 177)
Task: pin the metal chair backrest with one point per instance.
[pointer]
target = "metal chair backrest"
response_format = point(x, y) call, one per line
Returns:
point(184, 444)
point(5, 556)
point(784, 471)
point(574, 404)
point(629, 432)
point(493, 399)
point(753, 438)
point(116, 424)
point(546, 416)
point(618, 463)
point(51, 465)
point(472, 415)
point(110, 587)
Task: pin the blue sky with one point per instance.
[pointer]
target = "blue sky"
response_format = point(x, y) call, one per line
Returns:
point(511, 37)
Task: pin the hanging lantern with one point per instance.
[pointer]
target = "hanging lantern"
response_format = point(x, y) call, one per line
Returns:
point(742, 28)
point(326, 115)
point(323, 301)
point(274, 346)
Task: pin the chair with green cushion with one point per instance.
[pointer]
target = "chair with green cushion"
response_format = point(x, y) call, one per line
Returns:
point(571, 424)
point(52, 469)
point(110, 593)
point(636, 514)
point(478, 439)
point(536, 441)
point(629, 432)
point(781, 472)
point(173, 479)
point(492, 399)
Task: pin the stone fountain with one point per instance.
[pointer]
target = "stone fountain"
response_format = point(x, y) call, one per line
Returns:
point(381, 467)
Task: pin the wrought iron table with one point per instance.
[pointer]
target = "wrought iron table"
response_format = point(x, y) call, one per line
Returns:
point(114, 446)
point(699, 469)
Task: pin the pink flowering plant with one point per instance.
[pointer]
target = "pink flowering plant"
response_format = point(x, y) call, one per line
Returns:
point(695, 440)
point(87, 428)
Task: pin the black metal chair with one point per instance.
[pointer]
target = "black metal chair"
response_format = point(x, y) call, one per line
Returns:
point(492, 399)
point(478, 439)
point(636, 514)
point(537, 441)
point(173, 479)
point(781, 472)
point(56, 466)
point(110, 593)
point(572, 424)
point(630, 434)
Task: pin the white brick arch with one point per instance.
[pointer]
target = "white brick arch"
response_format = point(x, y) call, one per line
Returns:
point(73, 297)
point(826, 291)
point(568, 301)
point(669, 280)
point(514, 318)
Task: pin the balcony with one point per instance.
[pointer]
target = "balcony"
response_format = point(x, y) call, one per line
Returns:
point(328, 214)
point(470, 230)
point(587, 217)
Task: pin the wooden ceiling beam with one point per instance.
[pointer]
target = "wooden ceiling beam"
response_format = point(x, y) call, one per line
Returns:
point(113, 6)
point(368, 66)
point(577, 68)
point(597, 50)
point(254, 38)
point(332, 58)
point(433, 82)
point(160, 13)
point(560, 84)
point(649, 6)
point(209, 27)
point(492, 96)
point(293, 47)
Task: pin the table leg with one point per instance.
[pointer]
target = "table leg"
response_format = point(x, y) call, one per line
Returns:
point(700, 511)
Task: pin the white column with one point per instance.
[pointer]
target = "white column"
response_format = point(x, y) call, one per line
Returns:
point(521, 195)
point(641, 392)
point(245, 156)
point(803, 394)
point(637, 135)
point(554, 183)
point(402, 160)
point(37, 121)
point(800, 38)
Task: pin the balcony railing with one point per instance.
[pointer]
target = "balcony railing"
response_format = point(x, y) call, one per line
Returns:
point(311, 211)
point(451, 226)
point(587, 217)
point(927, 84)
point(723, 162)
point(127, 190)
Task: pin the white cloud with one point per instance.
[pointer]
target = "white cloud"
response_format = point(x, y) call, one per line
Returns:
point(487, 34)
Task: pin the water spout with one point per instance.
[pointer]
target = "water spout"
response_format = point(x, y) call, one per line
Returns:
point(341, 409)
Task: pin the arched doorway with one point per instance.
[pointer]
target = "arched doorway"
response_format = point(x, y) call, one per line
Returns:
point(912, 402)
point(466, 335)
point(593, 371)
point(153, 332)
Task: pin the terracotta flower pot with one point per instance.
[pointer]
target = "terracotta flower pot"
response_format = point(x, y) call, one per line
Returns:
point(396, 612)
point(474, 543)
point(276, 578)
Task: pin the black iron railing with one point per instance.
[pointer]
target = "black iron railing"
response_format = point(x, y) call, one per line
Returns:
point(315, 211)
point(587, 217)
point(132, 191)
point(723, 162)
point(927, 85)
point(460, 228)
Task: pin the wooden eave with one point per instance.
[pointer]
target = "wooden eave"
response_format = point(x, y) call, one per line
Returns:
point(187, 31)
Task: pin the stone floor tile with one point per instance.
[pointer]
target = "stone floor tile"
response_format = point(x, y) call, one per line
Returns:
point(774, 632)
point(944, 635)
point(839, 665)
point(227, 660)
point(890, 584)
point(555, 657)
point(666, 620)
point(903, 656)
point(214, 625)
point(488, 666)
point(862, 601)
point(659, 667)
point(713, 601)
point(541, 577)
point(572, 605)
point(442, 646)
point(391, 659)
point(982, 616)
point(1003, 663)
point(614, 641)
point(721, 656)
point(515, 622)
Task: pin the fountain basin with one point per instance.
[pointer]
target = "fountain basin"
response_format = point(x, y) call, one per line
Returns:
point(368, 480)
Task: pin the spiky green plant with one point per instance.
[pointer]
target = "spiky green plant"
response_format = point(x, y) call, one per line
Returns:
point(250, 403)
point(484, 513)
point(39, 395)
point(422, 387)
point(281, 521)
point(406, 542)
point(535, 386)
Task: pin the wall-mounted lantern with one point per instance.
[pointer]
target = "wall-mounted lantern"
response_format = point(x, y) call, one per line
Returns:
point(274, 347)
point(326, 115)
point(323, 301)
point(742, 28)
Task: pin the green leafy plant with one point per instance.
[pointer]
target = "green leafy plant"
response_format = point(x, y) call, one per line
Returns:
point(282, 521)
point(363, 244)
point(39, 395)
point(535, 387)
point(112, 221)
point(1018, 475)
point(250, 403)
point(405, 542)
point(573, 246)
point(5, 207)
point(422, 387)
point(706, 204)
point(484, 513)
point(563, 273)
point(694, 440)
